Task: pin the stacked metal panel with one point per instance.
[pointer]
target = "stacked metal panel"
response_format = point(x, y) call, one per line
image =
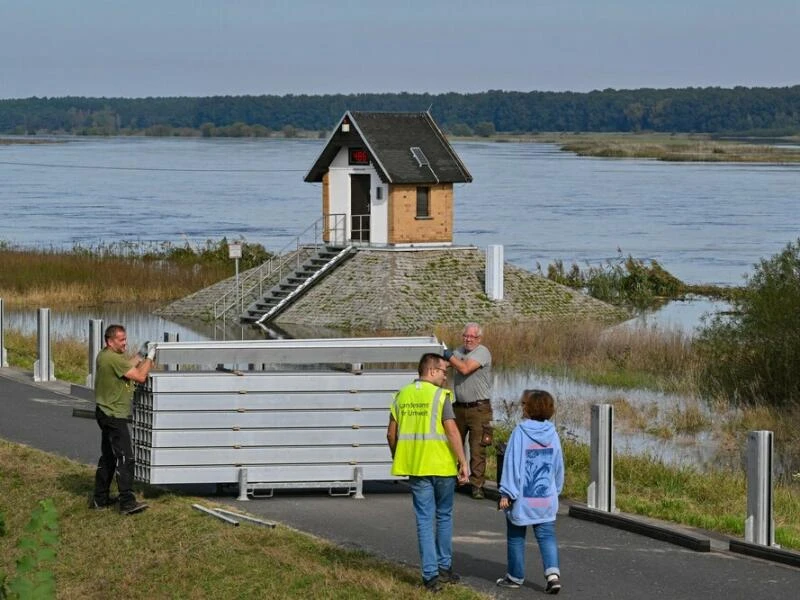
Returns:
point(283, 426)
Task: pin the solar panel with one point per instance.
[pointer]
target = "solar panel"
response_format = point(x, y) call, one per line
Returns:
point(417, 153)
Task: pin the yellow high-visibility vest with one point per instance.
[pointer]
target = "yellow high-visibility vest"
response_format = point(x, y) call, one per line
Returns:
point(422, 447)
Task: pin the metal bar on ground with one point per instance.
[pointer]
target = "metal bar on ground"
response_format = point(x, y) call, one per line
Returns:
point(213, 513)
point(249, 519)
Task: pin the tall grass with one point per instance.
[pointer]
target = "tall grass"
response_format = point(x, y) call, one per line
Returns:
point(588, 350)
point(140, 274)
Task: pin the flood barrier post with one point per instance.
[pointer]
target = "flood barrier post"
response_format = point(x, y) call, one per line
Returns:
point(43, 368)
point(601, 491)
point(494, 272)
point(96, 343)
point(759, 527)
point(3, 353)
point(243, 485)
point(172, 337)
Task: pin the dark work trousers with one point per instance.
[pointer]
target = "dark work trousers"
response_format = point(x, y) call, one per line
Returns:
point(471, 421)
point(116, 457)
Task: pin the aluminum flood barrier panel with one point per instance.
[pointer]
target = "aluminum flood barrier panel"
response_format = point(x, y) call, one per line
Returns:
point(302, 425)
point(298, 352)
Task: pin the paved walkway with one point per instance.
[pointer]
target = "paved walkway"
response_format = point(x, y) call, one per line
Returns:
point(597, 561)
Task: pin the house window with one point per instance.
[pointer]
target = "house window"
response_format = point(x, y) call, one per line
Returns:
point(423, 202)
point(378, 193)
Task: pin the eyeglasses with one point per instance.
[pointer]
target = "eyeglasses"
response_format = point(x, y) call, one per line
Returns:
point(439, 369)
point(470, 337)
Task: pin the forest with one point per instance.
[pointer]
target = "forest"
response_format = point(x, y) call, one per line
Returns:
point(747, 111)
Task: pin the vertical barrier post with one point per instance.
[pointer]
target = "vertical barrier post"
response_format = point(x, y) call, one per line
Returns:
point(759, 527)
point(494, 272)
point(96, 343)
point(43, 368)
point(243, 485)
point(3, 353)
point(601, 491)
point(171, 337)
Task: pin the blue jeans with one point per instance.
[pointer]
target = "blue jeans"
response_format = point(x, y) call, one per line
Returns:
point(433, 508)
point(515, 543)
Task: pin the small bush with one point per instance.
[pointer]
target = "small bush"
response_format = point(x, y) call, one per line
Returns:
point(752, 356)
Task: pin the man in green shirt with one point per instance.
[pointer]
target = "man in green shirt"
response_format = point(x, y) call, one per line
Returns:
point(115, 377)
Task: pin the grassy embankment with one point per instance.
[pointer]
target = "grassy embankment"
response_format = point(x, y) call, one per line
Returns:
point(173, 551)
point(621, 358)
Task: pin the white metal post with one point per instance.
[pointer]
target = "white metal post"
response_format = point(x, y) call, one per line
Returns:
point(3, 353)
point(243, 485)
point(601, 491)
point(759, 527)
point(96, 343)
point(43, 368)
point(494, 272)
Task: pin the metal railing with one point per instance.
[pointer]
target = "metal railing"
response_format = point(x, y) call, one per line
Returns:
point(328, 229)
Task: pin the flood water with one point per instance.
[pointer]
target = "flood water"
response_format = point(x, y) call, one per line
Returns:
point(705, 223)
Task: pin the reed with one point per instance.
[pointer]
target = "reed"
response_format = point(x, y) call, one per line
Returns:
point(72, 279)
point(588, 350)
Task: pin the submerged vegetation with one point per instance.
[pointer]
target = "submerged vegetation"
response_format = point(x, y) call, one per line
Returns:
point(631, 282)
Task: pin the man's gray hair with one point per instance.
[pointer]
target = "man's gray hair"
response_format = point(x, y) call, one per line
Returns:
point(475, 326)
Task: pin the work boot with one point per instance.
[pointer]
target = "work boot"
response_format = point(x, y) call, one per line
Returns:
point(106, 502)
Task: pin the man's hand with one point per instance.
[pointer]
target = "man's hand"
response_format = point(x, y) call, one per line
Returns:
point(463, 473)
point(151, 351)
point(504, 503)
point(142, 351)
point(447, 354)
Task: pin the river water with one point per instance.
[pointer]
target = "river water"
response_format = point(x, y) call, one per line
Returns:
point(705, 223)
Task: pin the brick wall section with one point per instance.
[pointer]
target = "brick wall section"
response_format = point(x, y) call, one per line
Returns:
point(405, 227)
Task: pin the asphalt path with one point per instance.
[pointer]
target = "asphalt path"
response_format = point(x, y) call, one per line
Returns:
point(597, 561)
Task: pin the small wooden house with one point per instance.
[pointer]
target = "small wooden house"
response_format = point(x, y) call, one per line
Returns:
point(387, 180)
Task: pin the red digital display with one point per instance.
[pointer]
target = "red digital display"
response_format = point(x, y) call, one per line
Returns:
point(359, 156)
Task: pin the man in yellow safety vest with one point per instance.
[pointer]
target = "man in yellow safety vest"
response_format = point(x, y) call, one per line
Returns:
point(426, 446)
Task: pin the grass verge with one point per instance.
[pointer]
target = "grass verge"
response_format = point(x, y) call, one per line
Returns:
point(173, 551)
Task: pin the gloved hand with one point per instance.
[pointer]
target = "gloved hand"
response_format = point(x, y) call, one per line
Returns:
point(151, 351)
point(447, 354)
point(142, 351)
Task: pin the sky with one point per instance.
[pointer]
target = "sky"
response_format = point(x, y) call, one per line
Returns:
point(111, 48)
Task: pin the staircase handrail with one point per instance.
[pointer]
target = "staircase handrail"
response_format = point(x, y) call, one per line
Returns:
point(333, 224)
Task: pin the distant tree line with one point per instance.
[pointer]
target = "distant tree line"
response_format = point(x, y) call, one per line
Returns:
point(767, 111)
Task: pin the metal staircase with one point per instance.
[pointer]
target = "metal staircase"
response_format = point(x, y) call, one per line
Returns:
point(323, 260)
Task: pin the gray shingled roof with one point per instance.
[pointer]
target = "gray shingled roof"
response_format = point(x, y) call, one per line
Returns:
point(388, 138)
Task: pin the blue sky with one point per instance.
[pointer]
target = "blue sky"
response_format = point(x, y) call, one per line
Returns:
point(209, 47)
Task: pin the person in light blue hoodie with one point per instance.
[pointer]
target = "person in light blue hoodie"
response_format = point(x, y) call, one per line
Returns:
point(533, 477)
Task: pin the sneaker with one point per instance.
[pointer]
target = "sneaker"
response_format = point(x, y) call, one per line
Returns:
point(449, 576)
point(477, 493)
point(132, 508)
point(553, 584)
point(96, 504)
point(505, 582)
point(433, 585)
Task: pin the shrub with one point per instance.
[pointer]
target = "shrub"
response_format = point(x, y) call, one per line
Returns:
point(751, 356)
